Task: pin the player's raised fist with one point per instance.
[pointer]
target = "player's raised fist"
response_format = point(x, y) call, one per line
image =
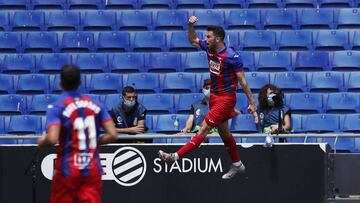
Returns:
point(192, 20)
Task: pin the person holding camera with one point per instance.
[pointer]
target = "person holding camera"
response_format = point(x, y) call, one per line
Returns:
point(274, 116)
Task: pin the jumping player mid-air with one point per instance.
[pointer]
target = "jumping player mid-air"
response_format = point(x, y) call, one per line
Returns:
point(225, 73)
point(74, 121)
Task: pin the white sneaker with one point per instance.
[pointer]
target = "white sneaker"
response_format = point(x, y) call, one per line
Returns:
point(169, 158)
point(233, 171)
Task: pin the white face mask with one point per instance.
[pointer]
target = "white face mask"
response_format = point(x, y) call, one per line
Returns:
point(129, 103)
point(270, 100)
point(206, 92)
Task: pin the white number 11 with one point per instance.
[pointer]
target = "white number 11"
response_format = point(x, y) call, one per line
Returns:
point(88, 124)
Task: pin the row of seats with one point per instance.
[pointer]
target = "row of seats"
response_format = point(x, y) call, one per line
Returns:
point(167, 62)
point(177, 19)
point(171, 4)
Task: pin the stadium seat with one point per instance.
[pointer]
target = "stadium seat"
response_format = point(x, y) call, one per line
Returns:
point(77, 42)
point(274, 61)
point(149, 123)
point(242, 102)
point(227, 4)
point(55, 84)
point(171, 123)
point(184, 101)
point(280, 19)
point(248, 60)
point(18, 64)
point(149, 41)
point(46, 4)
point(105, 83)
point(10, 42)
point(311, 61)
point(355, 43)
point(6, 84)
point(33, 84)
point(195, 62)
point(336, 3)
point(135, 20)
point(352, 81)
point(52, 63)
point(14, 4)
point(243, 19)
point(38, 104)
point(144, 82)
point(295, 40)
point(28, 21)
point(191, 4)
point(41, 42)
point(155, 4)
point(85, 4)
point(171, 20)
point(296, 123)
point(343, 102)
point(208, 17)
point(127, 63)
point(263, 3)
point(12, 104)
point(348, 18)
point(24, 124)
point(92, 63)
point(331, 40)
point(4, 21)
point(7, 141)
point(258, 40)
point(179, 41)
point(232, 39)
point(342, 145)
point(163, 62)
point(350, 123)
point(316, 19)
point(158, 103)
point(178, 83)
point(113, 42)
point(325, 81)
point(346, 61)
point(305, 103)
point(256, 80)
point(111, 100)
point(243, 124)
point(95, 97)
point(290, 81)
point(63, 21)
point(99, 21)
point(121, 4)
point(200, 77)
point(321, 123)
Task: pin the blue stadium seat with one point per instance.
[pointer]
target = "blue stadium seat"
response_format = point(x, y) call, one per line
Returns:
point(7, 141)
point(77, 42)
point(18, 64)
point(243, 19)
point(105, 83)
point(158, 103)
point(259, 40)
point(149, 41)
point(121, 4)
point(38, 103)
point(10, 42)
point(352, 81)
point(263, 3)
point(6, 84)
point(63, 21)
point(85, 4)
point(135, 20)
point(41, 42)
point(200, 77)
point(355, 43)
point(127, 63)
point(350, 123)
point(178, 83)
point(112, 100)
point(14, 4)
point(52, 63)
point(28, 21)
point(296, 123)
point(336, 3)
point(274, 61)
point(316, 19)
point(55, 84)
point(92, 63)
point(149, 123)
point(171, 20)
point(99, 20)
point(343, 102)
point(179, 41)
point(290, 81)
point(164, 62)
point(280, 19)
point(113, 42)
point(144, 82)
point(295, 40)
point(312, 61)
point(325, 81)
point(4, 21)
point(171, 123)
point(191, 4)
point(195, 62)
point(243, 124)
point(331, 40)
point(256, 80)
point(46, 4)
point(24, 124)
point(348, 18)
point(208, 17)
point(321, 123)
point(242, 102)
point(12, 104)
point(33, 84)
point(227, 4)
point(342, 145)
point(232, 39)
point(346, 61)
point(248, 59)
point(95, 97)
point(155, 4)
point(184, 101)
point(305, 103)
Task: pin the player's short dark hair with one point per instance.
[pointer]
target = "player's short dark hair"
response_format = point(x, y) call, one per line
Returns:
point(217, 30)
point(207, 82)
point(128, 89)
point(70, 77)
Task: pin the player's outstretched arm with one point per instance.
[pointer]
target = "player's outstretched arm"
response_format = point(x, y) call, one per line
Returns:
point(193, 38)
point(252, 106)
point(51, 137)
point(110, 134)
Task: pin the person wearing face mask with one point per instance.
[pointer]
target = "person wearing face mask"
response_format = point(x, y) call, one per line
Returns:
point(129, 115)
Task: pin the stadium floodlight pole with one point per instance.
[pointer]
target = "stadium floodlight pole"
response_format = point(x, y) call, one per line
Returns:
point(32, 168)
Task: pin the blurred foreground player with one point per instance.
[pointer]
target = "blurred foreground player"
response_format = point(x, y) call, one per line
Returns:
point(225, 73)
point(74, 121)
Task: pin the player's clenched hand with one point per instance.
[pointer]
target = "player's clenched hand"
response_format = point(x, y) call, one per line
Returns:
point(192, 20)
point(185, 130)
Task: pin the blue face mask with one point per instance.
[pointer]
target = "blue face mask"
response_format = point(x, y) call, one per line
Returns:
point(206, 92)
point(129, 103)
